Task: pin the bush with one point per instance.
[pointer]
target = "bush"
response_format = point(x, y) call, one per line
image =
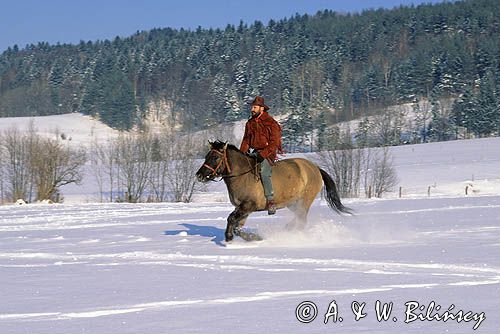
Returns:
point(349, 165)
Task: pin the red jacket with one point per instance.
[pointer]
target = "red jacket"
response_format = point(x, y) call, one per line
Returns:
point(262, 133)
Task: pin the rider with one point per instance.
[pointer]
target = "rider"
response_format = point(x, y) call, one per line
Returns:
point(263, 136)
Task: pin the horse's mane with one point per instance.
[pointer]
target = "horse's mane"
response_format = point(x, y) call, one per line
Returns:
point(219, 145)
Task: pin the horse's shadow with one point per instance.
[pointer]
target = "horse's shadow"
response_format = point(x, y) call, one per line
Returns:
point(217, 234)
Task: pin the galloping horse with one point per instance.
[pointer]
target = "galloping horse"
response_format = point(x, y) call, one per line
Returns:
point(296, 182)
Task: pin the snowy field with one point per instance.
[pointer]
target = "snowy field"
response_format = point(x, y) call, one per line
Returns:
point(163, 268)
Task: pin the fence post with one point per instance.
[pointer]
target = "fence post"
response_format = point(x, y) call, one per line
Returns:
point(400, 191)
point(429, 191)
point(466, 190)
point(370, 192)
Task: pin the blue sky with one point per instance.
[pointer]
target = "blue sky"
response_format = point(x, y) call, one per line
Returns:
point(69, 21)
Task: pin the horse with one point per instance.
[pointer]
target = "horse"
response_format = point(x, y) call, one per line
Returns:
point(296, 182)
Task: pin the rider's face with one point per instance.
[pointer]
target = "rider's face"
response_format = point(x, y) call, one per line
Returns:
point(256, 110)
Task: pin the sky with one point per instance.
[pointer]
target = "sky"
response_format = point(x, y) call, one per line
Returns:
point(24, 22)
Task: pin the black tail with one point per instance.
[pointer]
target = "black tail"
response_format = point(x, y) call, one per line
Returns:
point(332, 196)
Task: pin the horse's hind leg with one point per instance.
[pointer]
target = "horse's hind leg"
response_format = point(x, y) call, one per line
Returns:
point(300, 209)
point(300, 219)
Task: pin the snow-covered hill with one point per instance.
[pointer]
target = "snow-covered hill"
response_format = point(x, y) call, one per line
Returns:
point(78, 129)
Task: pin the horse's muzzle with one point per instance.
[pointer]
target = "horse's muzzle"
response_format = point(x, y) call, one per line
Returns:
point(201, 177)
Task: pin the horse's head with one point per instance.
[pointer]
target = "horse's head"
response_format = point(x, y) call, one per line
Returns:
point(215, 162)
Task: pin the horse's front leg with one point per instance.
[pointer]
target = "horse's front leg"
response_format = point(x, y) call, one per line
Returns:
point(233, 222)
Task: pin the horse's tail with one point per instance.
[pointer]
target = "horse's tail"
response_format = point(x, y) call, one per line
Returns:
point(332, 196)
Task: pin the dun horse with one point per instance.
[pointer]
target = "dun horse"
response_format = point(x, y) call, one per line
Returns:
point(296, 182)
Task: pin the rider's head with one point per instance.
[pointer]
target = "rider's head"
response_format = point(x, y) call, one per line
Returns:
point(258, 106)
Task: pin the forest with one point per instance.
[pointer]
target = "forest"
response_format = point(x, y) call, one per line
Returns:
point(313, 70)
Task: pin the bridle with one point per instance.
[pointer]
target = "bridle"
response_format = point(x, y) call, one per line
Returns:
point(224, 163)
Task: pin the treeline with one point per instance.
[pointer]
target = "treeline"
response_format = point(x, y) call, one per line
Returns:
point(315, 69)
point(136, 166)
point(146, 167)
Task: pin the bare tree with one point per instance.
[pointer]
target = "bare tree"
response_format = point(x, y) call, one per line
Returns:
point(134, 163)
point(182, 168)
point(17, 164)
point(108, 157)
point(97, 165)
point(160, 167)
point(32, 162)
point(158, 181)
point(345, 166)
point(344, 162)
point(349, 165)
point(54, 165)
point(380, 174)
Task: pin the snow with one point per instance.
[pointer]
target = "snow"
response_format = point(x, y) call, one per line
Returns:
point(159, 268)
point(79, 129)
point(86, 267)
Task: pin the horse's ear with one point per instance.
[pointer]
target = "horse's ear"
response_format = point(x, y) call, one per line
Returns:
point(210, 144)
point(225, 146)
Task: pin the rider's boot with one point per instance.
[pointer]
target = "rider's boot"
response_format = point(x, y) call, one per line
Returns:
point(270, 206)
